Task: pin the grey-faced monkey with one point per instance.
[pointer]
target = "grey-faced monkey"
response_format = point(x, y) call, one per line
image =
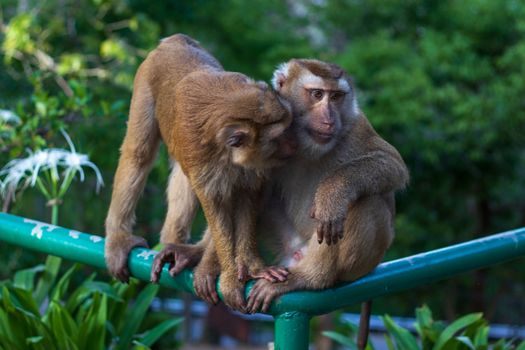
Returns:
point(337, 193)
point(224, 130)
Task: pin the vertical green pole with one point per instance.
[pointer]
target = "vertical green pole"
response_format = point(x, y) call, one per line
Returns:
point(292, 331)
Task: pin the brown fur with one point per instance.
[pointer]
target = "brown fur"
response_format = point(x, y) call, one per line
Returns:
point(223, 129)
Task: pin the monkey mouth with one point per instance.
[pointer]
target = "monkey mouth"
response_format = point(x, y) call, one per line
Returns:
point(321, 137)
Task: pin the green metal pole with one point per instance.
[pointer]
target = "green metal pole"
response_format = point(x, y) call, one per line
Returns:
point(292, 331)
point(292, 311)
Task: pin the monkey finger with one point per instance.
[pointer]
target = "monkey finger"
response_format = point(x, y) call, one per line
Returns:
point(253, 301)
point(179, 265)
point(267, 302)
point(277, 274)
point(242, 273)
point(212, 291)
point(320, 234)
point(312, 211)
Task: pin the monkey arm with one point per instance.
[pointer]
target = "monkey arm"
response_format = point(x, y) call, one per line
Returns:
point(379, 170)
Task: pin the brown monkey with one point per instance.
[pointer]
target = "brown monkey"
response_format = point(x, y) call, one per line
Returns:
point(338, 192)
point(224, 130)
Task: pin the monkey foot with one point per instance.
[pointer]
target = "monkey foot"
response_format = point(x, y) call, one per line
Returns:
point(262, 294)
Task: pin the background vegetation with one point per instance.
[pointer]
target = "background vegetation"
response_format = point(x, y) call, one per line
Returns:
point(443, 81)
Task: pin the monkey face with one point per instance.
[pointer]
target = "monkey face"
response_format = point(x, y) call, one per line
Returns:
point(322, 101)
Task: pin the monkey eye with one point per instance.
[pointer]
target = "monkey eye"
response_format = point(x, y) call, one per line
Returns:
point(336, 96)
point(317, 94)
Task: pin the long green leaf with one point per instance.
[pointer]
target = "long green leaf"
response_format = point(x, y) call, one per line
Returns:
point(455, 327)
point(403, 338)
point(137, 313)
point(63, 283)
point(150, 337)
point(341, 339)
point(24, 299)
point(25, 279)
point(48, 278)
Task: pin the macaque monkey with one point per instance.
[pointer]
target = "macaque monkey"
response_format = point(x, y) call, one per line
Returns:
point(337, 194)
point(223, 130)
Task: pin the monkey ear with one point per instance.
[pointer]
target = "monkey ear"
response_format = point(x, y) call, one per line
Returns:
point(236, 139)
point(279, 76)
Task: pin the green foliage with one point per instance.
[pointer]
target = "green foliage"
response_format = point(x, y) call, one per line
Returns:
point(469, 332)
point(94, 315)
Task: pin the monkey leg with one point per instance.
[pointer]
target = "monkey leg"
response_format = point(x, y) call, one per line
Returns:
point(219, 214)
point(368, 233)
point(182, 208)
point(138, 152)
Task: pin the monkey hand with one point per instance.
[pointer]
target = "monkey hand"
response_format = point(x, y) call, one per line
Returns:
point(204, 277)
point(117, 249)
point(330, 225)
point(178, 256)
point(232, 290)
point(262, 294)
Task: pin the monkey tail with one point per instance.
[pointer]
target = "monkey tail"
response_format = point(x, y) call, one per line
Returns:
point(364, 325)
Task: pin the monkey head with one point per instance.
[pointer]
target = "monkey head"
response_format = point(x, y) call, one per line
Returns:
point(245, 121)
point(258, 133)
point(322, 99)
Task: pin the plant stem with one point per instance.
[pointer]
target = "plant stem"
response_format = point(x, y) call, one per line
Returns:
point(54, 214)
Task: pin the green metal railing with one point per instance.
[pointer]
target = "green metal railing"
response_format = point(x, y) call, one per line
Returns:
point(293, 311)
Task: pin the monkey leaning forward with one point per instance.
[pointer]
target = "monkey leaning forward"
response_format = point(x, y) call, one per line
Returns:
point(224, 130)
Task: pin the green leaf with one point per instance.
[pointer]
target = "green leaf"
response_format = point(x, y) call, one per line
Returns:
point(137, 313)
point(341, 339)
point(466, 341)
point(34, 340)
point(151, 336)
point(24, 299)
point(481, 338)
point(25, 279)
point(455, 327)
point(47, 280)
point(389, 343)
point(140, 346)
point(63, 283)
point(403, 338)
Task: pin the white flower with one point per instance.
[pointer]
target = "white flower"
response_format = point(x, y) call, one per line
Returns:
point(8, 117)
point(25, 171)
